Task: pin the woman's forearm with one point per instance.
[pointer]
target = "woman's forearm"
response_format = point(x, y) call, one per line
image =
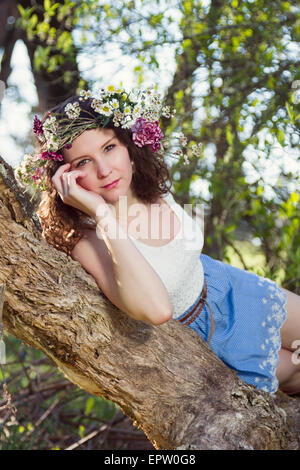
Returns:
point(139, 286)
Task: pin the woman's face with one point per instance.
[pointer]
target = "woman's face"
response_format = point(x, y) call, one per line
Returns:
point(102, 159)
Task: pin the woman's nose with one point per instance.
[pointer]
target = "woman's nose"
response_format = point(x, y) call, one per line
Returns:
point(103, 169)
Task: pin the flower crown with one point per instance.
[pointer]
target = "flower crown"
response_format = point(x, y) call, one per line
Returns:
point(140, 112)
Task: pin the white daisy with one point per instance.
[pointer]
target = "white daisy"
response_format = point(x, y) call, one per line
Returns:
point(114, 104)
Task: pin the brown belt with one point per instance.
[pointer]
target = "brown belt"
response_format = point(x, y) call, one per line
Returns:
point(191, 316)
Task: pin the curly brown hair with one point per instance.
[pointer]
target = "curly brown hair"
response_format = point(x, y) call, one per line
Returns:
point(62, 224)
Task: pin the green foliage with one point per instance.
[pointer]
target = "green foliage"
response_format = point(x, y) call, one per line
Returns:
point(37, 387)
point(54, 44)
point(41, 56)
point(292, 114)
point(16, 437)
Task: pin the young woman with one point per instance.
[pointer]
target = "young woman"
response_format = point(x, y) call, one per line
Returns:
point(107, 203)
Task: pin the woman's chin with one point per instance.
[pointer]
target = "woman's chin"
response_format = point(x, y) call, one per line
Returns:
point(112, 196)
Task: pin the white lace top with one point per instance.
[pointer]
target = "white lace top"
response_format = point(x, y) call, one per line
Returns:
point(178, 262)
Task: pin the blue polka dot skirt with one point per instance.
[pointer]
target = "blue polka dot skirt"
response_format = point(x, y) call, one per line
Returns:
point(248, 312)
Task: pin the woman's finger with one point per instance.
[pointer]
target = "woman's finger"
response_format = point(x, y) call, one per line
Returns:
point(69, 179)
point(64, 183)
point(57, 177)
point(66, 180)
point(60, 171)
point(74, 175)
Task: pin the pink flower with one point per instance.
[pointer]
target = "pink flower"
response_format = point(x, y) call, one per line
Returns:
point(37, 126)
point(147, 133)
point(37, 175)
point(50, 156)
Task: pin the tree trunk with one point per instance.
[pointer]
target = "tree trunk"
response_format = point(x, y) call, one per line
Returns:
point(182, 398)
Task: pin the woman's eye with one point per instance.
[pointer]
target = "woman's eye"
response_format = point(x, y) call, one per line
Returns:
point(79, 163)
point(109, 147)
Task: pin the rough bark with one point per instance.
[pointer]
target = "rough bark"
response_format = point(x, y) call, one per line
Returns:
point(182, 397)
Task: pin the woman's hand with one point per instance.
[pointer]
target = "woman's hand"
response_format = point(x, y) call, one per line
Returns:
point(73, 194)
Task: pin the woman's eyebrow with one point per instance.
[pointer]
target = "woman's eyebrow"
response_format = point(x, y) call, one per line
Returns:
point(104, 145)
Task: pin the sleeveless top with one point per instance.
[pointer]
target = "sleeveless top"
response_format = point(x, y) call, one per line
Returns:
point(178, 262)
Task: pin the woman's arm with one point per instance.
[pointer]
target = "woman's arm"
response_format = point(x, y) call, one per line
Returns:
point(139, 287)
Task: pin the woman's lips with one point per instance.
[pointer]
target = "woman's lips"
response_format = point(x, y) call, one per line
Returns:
point(112, 185)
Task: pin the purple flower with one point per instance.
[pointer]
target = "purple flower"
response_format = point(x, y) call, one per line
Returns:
point(67, 146)
point(147, 133)
point(37, 126)
point(50, 156)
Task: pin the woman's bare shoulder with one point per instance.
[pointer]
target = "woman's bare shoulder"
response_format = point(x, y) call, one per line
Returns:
point(89, 238)
point(92, 253)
